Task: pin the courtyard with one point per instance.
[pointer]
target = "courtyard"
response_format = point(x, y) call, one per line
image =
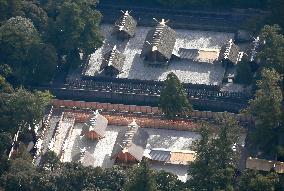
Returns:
point(187, 71)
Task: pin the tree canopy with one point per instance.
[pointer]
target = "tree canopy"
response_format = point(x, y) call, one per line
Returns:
point(142, 179)
point(35, 35)
point(272, 53)
point(217, 157)
point(266, 108)
point(173, 99)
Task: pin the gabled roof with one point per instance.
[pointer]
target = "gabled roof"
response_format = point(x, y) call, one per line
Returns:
point(199, 55)
point(97, 123)
point(231, 52)
point(254, 49)
point(160, 155)
point(126, 23)
point(172, 157)
point(85, 158)
point(113, 58)
point(132, 140)
point(161, 38)
point(182, 157)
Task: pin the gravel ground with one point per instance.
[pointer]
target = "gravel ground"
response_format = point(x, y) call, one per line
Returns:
point(101, 150)
point(188, 72)
point(170, 139)
point(179, 170)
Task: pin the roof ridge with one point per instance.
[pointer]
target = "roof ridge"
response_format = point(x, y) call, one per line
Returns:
point(123, 21)
point(158, 34)
point(228, 49)
point(112, 55)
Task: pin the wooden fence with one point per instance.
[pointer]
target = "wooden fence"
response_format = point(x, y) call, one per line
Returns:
point(146, 110)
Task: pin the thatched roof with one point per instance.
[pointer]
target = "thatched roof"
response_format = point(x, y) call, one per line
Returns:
point(126, 23)
point(182, 157)
point(97, 123)
point(162, 39)
point(114, 59)
point(231, 52)
point(84, 157)
point(132, 140)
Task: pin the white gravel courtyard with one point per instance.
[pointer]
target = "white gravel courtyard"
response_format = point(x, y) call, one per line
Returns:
point(188, 72)
point(170, 139)
point(102, 150)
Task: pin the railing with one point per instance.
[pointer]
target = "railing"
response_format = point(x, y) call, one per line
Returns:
point(153, 88)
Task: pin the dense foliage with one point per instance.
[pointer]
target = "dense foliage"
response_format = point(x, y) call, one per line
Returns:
point(173, 98)
point(37, 36)
point(217, 157)
point(266, 107)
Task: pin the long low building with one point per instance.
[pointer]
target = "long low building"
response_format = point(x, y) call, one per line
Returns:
point(265, 165)
point(179, 157)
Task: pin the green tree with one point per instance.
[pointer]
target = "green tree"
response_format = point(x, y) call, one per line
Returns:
point(5, 70)
point(168, 182)
point(20, 175)
point(9, 8)
point(217, 157)
point(17, 36)
point(173, 98)
point(5, 142)
point(36, 14)
point(5, 86)
point(142, 179)
point(42, 59)
point(73, 176)
point(50, 161)
point(252, 180)
point(272, 53)
point(29, 107)
point(76, 30)
point(22, 108)
point(266, 109)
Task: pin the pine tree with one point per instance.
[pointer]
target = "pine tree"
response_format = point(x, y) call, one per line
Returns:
point(266, 109)
point(142, 179)
point(173, 98)
point(216, 160)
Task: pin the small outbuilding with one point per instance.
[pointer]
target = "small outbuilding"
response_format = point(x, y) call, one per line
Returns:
point(165, 156)
point(230, 54)
point(159, 44)
point(113, 62)
point(130, 145)
point(208, 56)
point(96, 126)
point(125, 27)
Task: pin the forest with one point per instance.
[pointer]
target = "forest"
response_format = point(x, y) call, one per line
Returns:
point(39, 36)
